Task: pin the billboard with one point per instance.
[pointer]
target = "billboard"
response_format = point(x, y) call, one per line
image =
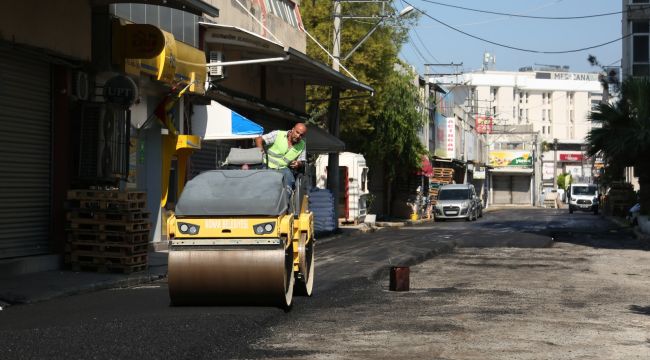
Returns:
point(510, 158)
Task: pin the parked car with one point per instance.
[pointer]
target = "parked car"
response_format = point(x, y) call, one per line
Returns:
point(457, 201)
point(583, 197)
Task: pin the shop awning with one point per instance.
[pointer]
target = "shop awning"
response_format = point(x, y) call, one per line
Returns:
point(218, 122)
point(320, 141)
point(288, 60)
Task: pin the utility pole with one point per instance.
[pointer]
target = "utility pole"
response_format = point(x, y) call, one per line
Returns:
point(333, 114)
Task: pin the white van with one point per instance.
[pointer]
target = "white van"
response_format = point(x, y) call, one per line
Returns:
point(583, 197)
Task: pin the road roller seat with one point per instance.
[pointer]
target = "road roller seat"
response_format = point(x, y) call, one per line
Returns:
point(244, 159)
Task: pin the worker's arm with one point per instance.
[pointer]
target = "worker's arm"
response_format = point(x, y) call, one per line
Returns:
point(259, 142)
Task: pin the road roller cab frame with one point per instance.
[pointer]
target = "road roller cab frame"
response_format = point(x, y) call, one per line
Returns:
point(241, 236)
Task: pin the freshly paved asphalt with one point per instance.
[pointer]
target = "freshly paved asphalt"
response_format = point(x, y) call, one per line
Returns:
point(137, 322)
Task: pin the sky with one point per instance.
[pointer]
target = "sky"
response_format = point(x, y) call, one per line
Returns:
point(431, 42)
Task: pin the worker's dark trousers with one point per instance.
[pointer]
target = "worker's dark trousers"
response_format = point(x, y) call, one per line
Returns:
point(288, 174)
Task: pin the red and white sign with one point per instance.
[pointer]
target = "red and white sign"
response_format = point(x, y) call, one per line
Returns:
point(571, 157)
point(484, 124)
point(451, 137)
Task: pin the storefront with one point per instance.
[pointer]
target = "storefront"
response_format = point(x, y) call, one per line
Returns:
point(512, 178)
point(26, 148)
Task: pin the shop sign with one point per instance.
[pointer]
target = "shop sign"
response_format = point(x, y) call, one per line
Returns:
point(451, 137)
point(511, 158)
point(547, 171)
point(479, 174)
point(484, 124)
point(571, 157)
point(120, 90)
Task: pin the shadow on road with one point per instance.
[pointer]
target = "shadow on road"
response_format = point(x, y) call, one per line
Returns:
point(535, 226)
point(642, 310)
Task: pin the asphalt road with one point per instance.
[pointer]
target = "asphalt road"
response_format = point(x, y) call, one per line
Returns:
point(352, 315)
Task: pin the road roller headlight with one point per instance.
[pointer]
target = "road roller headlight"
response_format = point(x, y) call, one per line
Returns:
point(264, 228)
point(186, 228)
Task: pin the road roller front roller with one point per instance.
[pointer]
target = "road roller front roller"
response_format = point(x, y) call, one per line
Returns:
point(240, 237)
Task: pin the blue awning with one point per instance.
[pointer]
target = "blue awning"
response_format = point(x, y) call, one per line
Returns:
point(218, 122)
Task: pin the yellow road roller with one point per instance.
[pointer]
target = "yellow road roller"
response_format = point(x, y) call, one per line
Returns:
point(240, 237)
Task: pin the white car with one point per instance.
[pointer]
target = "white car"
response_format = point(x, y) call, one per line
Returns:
point(457, 201)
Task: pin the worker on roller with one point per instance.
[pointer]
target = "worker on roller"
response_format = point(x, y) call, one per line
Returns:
point(285, 150)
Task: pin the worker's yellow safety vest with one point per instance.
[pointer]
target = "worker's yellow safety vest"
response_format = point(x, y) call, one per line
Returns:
point(280, 154)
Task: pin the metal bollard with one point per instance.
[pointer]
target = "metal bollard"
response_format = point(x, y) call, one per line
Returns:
point(399, 278)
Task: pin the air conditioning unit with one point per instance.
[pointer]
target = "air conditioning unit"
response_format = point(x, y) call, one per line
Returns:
point(216, 71)
point(80, 87)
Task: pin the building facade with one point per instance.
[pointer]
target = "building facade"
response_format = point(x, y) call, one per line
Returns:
point(521, 113)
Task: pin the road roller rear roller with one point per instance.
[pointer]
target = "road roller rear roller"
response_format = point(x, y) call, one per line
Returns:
point(240, 237)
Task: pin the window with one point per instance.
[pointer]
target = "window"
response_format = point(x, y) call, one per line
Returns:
point(283, 9)
point(571, 118)
point(521, 97)
point(543, 114)
point(640, 1)
point(543, 129)
point(494, 91)
point(549, 115)
point(640, 48)
point(183, 25)
point(514, 112)
point(526, 115)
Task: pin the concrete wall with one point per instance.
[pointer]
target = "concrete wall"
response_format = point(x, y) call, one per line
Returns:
point(60, 26)
point(231, 13)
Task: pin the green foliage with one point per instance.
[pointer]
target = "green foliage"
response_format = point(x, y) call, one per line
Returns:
point(385, 125)
point(563, 181)
point(394, 140)
point(622, 133)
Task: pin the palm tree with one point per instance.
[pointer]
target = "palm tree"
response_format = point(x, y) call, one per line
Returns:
point(623, 137)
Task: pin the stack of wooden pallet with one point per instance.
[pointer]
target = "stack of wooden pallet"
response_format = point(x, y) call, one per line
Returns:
point(108, 230)
point(440, 176)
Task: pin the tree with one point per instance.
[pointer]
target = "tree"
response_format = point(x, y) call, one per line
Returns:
point(393, 141)
point(383, 127)
point(622, 133)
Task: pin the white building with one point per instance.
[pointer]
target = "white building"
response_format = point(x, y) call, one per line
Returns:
point(522, 112)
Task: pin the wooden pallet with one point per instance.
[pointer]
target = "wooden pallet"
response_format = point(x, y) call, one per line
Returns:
point(90, 214)
point(136, 237)
point(83, 194)
point(102, 259)
point(97, 225)
point(107, 249)
point(114, 205)
point(109, 268)
point(441, 180)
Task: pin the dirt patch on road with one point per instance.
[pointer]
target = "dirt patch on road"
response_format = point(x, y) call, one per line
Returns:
point(565, 302)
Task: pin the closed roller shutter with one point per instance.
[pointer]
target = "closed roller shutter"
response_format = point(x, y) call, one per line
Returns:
point(521, 190)
point(501, 189)
point(25, 145)
point(511, 189)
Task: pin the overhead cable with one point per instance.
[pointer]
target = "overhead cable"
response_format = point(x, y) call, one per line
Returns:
point(514, 47)
point(532, 16)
